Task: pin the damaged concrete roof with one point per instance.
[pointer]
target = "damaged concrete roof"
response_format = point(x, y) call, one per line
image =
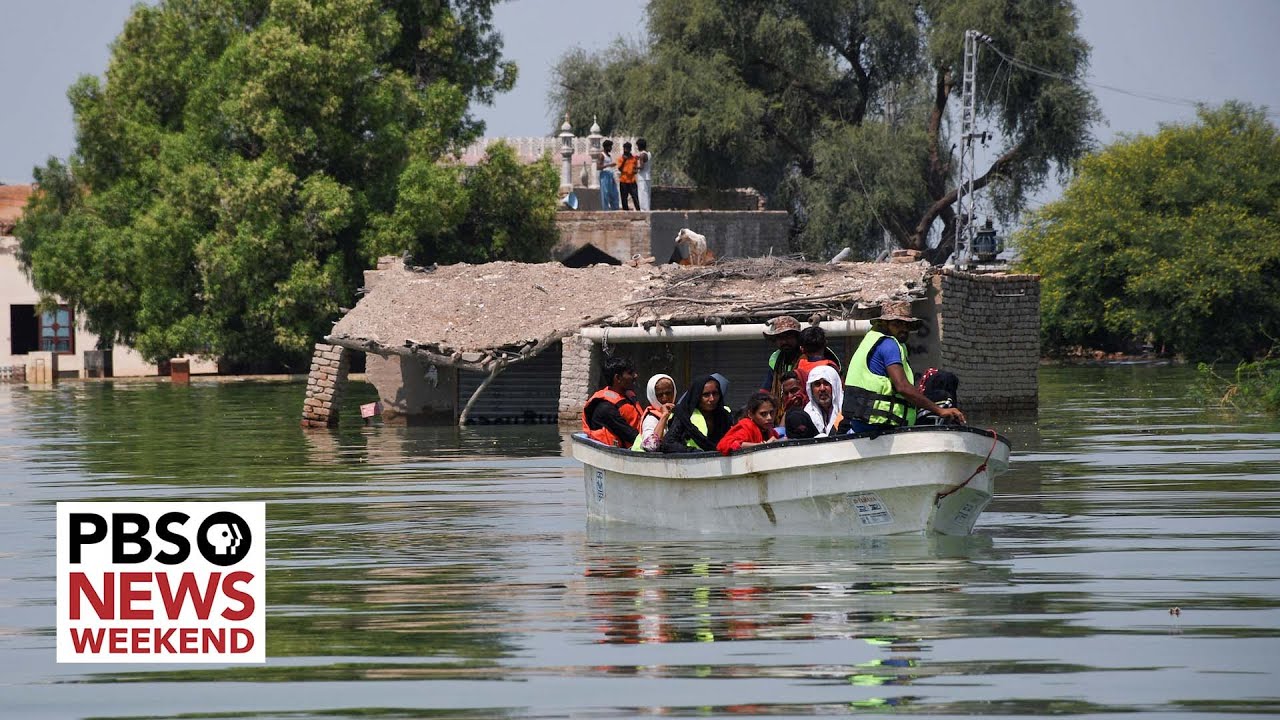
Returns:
point(471, 316)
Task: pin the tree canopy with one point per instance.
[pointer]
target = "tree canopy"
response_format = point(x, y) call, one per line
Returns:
point(838, 109)
point(242, 161)
point(1172, 237)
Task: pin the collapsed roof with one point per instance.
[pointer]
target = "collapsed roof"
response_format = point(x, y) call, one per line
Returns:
point(482, 317)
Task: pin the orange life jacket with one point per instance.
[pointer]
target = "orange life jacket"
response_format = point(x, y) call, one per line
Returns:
point(629, 409)
point(805, 366)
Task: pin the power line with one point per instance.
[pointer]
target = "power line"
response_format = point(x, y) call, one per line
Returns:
point(871, 203)
point(1141, 94)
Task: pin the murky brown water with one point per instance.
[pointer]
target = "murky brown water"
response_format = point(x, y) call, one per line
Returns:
point(417, 572)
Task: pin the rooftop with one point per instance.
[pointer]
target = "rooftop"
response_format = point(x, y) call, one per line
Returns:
point(471, 315)
point(13, 198)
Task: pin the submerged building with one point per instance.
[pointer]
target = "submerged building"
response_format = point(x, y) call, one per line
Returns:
point(513, 342)
point(44, 344)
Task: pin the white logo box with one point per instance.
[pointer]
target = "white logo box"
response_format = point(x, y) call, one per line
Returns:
point(162, 609)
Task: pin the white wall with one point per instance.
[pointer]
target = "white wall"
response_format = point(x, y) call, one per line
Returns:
point(16, 289)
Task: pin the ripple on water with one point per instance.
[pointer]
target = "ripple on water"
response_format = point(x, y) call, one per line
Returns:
point(428, 572)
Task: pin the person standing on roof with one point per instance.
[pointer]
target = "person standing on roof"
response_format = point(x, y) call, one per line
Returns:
point(612, 415)
point(880, 388)
point(608, 168)
point(644, 173)
point(627, 178)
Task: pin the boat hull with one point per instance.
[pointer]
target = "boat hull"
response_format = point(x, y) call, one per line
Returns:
point(907, 481)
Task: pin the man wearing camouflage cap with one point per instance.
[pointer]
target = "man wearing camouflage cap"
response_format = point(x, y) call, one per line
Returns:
point(784, 331)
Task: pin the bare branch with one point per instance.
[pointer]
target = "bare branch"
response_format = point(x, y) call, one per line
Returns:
point(946, 201)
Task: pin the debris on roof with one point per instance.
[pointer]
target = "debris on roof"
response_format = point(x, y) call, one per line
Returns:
point(477, 317)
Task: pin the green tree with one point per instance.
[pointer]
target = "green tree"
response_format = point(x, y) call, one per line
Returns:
point(1172, 237)
point(837, 109)
point(509, 205)
point(242, 160)
point(591, 87)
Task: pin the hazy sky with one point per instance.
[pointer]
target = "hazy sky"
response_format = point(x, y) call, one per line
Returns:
point(1196, 49)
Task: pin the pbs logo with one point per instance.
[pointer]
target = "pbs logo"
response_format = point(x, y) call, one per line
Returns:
point(224, 538)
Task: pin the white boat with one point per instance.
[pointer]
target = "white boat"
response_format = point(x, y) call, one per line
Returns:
point(934, 479)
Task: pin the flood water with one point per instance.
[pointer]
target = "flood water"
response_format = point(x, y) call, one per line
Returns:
point(419, 572)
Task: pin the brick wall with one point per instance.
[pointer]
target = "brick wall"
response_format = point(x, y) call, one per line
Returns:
point(329, 364)
point(988, 329)
point(579, 368)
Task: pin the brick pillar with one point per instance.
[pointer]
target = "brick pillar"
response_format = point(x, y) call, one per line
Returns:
point(578, 367)
point(328, 375)
point(180, 371)
point(989, 335)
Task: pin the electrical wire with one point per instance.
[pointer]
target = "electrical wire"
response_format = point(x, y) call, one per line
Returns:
point(1141, 94)
point(870, 203)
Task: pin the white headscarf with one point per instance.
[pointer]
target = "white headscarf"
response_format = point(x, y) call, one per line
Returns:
point(651, 390)
point(825, 372)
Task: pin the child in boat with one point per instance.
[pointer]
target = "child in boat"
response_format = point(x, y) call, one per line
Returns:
point(754, 429)
point(814, 352)
point(662, 397)
point(798, 425)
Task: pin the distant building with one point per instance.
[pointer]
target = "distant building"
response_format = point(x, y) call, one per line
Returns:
point(26, 333)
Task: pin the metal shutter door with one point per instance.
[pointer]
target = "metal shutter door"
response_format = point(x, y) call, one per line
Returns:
point(525, 392)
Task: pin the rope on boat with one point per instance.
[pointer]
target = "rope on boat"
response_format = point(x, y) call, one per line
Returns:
point(994, 439)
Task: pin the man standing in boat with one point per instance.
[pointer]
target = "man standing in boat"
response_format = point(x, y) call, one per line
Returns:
point(612, 415)
point(880, 388)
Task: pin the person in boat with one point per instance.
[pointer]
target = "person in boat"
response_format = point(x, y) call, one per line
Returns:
point(724, 390)
point(755, 428)
point(661, 393)
point(792, 392)
point(784, 331)
point(612, 415)
point(940, 386)
point(814, 352)
point(826, 397)
point(793, 398)
point(699, 419)
point(798, 425)
point(880, 388)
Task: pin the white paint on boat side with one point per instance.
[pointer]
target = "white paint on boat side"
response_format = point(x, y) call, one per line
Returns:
point(899, 482)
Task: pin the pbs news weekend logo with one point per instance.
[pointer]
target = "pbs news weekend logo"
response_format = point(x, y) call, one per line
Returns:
point(161, 582)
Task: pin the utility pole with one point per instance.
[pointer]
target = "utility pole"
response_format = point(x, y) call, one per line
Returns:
point(965, 199)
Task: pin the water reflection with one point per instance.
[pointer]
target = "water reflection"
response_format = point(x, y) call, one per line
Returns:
point(444, 572)
point(890, 597)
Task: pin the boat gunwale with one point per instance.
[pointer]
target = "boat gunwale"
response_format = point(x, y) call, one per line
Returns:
point(788, 443)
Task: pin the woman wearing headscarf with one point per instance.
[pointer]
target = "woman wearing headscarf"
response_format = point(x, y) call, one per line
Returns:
point(699, 420)
point(653, 424)
point(826, 395)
